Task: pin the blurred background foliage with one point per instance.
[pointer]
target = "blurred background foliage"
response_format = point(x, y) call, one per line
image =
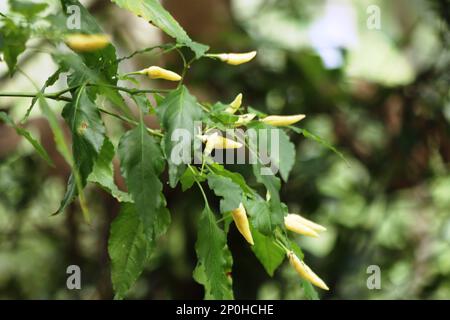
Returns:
point(380, 96)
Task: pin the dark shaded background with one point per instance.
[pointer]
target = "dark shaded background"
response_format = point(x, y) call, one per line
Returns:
point(385, 106)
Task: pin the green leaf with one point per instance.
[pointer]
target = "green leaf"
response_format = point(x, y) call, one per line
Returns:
point(272, 184)
point(319, 140)
point(142, 102)
point(200, 276)
point(257, 112)
point(282, 154)
point(177, 114)
point(74, 184)
point(154, 12)
point(141, 163)
point(261, 215)
point(88, 135)
point(103, 173)
point(58, 133)
point(228, 190)
point(213, 258)
point(234, 176)
point(309, 291)
point(286, 158)
point(14, 41)
point(128, 248)
point(163, 219)
point(27, 8)
point(268, 253)
point(80, 73)
point(27, 135)
point(187, 180)
point(88, 131)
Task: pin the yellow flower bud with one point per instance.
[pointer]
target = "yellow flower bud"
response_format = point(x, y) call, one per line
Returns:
point(315, 226)
point(245, 118)
point(235, 105)
point(241, 221)
point(87, 42)
point(215, 141)
point(282, 120)
point(293, 224)
point(155, 72)
point(236, 58)
point(224, 143)
point(210, 143)
point(305, 272)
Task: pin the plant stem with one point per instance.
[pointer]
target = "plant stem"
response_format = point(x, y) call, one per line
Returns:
point(200, 187)
point(32, 95)
point(185, 66)
point(58, 95)
point(130, 91)
point(128, 120)
point(54, 96)
point(145, 50)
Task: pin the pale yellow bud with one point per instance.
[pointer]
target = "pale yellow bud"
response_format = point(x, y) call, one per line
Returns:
point(245, 118)
point(293, 224)
point(155, 72)
point(235, 105)
point(224, 143)
point(282, 120)
point(87, 42)
point(305, 272)
point(315, 226)
point(210, 143)
point(242, 224)
point(236, 58)
point(215, 141)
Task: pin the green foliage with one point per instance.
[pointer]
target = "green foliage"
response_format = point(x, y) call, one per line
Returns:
point(13, 41)
point(129, 249)
point(212, 253)
point(178, 111)
point(154, 12)
point(262, 217)
point(141, 163)
point(284, 157)
point(144, 153)
point(103, 172)
point(189, 177)
point(267, 251)
point(28, 9)
point(88, 135)
point(227, 189)
point(27, 135)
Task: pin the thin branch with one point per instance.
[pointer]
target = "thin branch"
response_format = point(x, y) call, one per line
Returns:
point(166, 47)
point(33, 95)
point(128, 120)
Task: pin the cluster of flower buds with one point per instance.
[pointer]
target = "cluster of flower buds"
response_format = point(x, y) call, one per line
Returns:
point(303, 226)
